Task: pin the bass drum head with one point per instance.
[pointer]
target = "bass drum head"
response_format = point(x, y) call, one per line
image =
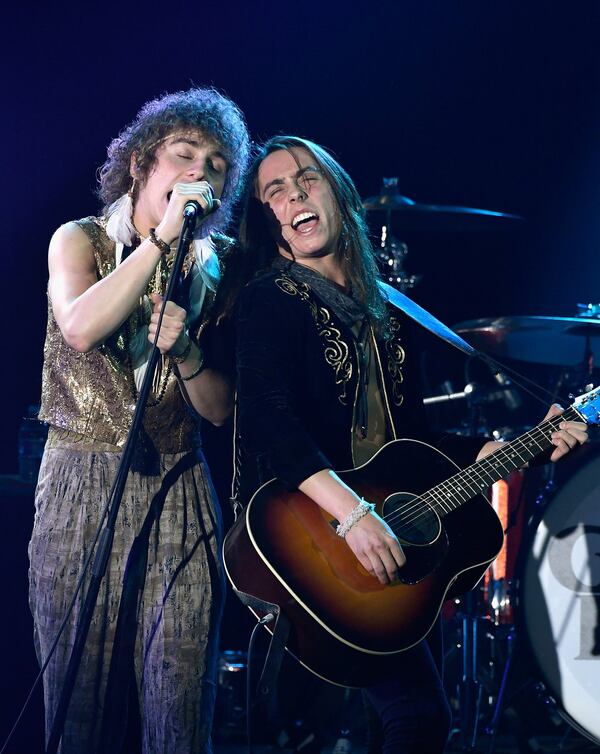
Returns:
point(559, 593)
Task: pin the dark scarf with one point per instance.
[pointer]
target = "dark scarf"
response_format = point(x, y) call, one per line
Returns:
point(346, 308)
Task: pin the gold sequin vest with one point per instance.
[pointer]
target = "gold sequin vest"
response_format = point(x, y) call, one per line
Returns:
point(93, 394)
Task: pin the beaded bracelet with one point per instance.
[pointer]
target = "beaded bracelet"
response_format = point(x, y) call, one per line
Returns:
point(362, 509)
point(196, 372)
point(183, 355)
point(162, 245)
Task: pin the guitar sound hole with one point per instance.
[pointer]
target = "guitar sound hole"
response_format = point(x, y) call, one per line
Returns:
point(411, 521)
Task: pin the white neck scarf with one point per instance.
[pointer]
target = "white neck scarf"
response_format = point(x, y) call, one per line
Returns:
point(205, 275)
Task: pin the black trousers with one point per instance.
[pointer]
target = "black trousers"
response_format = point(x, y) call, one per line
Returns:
point(409, 713)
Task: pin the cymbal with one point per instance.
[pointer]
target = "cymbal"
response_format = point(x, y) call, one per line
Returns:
point(411, 215)
point(560, 341)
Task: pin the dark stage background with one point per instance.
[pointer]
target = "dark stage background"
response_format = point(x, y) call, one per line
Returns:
point(491, 105)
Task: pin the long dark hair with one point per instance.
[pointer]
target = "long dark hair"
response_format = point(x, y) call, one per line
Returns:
point(257, 248)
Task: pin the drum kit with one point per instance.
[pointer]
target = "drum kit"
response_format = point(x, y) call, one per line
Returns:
point(534, 621)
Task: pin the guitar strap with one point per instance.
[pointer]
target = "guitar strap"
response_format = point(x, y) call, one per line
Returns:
point(425, 319)
point(279, 636)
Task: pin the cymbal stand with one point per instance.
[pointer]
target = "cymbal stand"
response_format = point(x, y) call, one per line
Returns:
point(391, 252)
point(491, 729)
point(470, 689)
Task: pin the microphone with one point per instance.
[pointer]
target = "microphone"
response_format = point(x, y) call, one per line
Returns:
point(194, 209)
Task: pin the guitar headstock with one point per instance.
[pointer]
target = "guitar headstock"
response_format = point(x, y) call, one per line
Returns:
point(588, 406)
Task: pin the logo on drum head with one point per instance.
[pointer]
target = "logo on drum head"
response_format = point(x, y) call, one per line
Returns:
point(574, 560)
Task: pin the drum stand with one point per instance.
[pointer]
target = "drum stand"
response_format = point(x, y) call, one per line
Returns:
point(470, 690)
point(491, 729)
point(473, 685)
point(390, 252)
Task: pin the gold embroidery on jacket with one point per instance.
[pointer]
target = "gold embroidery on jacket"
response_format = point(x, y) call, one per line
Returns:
point(292, 288)
point(336, 350)
point(396, 356)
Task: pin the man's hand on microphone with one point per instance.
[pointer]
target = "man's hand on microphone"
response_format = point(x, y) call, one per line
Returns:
point(199, 191)
point(173, 337)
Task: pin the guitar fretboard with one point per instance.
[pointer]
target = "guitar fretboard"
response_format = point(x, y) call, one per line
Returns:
point(458, 489)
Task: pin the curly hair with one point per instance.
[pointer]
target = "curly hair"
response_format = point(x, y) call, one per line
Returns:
point(201, 108)
point(257, 248)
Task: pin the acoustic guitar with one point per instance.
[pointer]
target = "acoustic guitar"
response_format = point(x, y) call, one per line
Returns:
point(346, 626)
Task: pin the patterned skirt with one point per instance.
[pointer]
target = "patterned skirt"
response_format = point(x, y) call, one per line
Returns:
point(181, 594)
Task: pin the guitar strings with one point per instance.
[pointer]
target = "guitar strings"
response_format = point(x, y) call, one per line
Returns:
point(440, 498)
point(449, 489)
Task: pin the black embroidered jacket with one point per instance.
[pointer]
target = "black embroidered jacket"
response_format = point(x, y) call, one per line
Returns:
point(298, 377)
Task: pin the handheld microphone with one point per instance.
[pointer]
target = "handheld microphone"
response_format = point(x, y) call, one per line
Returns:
point(194, 209)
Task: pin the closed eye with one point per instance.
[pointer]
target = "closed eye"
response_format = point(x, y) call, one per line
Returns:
point(216, 167)
point(308, 179)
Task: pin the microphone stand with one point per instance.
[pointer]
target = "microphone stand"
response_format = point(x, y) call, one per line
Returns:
point(103, 551)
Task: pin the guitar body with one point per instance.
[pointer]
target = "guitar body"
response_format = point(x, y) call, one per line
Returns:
point(345, 626)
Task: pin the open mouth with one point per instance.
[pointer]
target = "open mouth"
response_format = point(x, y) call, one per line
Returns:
point(305, 221)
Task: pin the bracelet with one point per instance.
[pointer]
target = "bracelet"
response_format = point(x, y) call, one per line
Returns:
point(162, 245)
point(183, 355)
point(196, 372)
point(362, 509)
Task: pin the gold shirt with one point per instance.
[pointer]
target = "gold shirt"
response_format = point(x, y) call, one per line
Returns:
point(93, 394)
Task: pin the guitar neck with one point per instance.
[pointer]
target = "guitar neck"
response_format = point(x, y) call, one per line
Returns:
point(463, 486)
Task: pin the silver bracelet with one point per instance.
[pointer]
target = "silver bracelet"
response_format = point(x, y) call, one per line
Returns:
point(362, 509)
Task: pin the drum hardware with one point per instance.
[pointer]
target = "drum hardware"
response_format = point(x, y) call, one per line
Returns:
point(507, 499)
point(444, 398)
point(494, 634)
point(558, 594)
point(407, 214)
point(557, 341)
point(411, 215)
point(391, 255)
point(564, 342)
point(588, 310)
point(555, 588)
point(482, 661)
point(390, 252)
point(470, 686)
point(230, 707)
point(476, 393)
point(488, 631)
point(552, 642)
point(492, 728)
